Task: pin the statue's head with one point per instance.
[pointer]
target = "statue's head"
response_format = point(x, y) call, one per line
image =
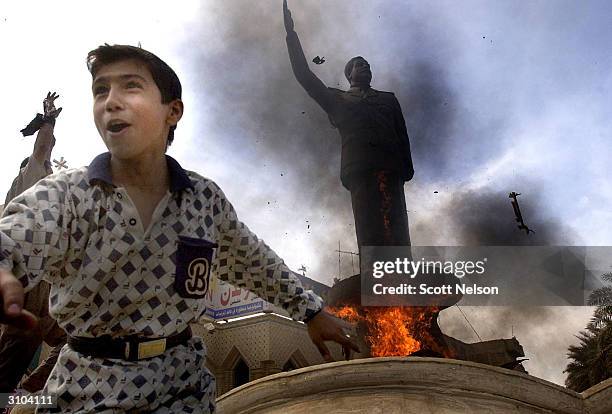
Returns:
point(357, 71)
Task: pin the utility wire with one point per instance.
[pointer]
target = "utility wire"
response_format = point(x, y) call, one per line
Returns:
point(466, 319)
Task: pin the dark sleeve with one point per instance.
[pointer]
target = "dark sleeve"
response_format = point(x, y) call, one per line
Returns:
point(313, 85)
point(402, 133)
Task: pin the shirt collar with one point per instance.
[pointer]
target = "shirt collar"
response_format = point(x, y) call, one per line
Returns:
point(357, 91)
point(99, 169)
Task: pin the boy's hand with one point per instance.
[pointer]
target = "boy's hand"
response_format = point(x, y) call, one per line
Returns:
point(326, 327)
point(11, 303)
point(287, 17)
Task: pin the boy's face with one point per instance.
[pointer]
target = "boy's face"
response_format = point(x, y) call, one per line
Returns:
point(128, 110)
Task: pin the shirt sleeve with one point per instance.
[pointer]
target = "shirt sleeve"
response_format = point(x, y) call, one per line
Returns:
point(34, 231)
point(246, 261)
point(29, 175)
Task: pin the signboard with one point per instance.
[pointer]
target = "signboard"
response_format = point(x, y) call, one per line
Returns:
point(225, 301)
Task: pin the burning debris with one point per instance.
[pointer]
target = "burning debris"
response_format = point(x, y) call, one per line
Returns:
point(517, 213)
point(396, 330)
point(389, 330)
point(413, 331)
point(318, 60)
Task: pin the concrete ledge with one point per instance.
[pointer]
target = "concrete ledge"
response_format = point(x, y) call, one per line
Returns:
point(409, 385)
point(598, 398)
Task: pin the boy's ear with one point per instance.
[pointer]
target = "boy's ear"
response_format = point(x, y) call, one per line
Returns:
point(176, 112)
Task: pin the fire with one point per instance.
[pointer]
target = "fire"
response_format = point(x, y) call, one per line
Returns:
point(392, 331)
point(347, 313)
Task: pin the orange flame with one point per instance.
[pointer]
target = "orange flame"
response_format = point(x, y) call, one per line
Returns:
point(392, 331)
point(347, 313)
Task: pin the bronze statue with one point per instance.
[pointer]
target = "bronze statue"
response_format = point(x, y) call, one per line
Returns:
point(376, 158)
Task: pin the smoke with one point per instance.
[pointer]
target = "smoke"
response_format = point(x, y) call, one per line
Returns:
point(255, 107)
point(486, 218)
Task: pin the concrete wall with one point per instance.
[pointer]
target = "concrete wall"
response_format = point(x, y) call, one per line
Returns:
point(409, 386)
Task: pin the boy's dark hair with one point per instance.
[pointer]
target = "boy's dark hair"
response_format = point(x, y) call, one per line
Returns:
point(165, 78)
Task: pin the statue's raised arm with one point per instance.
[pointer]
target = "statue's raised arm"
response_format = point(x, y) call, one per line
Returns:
point(313, 85)
point(375, 161)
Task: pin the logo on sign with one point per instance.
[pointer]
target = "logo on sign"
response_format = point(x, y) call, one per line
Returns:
point(197, 281)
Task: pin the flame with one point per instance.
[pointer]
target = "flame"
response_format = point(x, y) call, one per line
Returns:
point(392, 331)
point(347, 313)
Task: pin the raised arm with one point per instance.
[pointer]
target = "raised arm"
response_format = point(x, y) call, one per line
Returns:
point(313, 85)
point(45, 141)
point(35, 168)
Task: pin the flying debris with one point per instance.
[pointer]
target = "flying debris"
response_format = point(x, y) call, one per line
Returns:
point(319, 60)
point(517, 213)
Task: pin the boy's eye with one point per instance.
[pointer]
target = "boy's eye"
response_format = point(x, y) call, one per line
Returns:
point(133, 84)
point(99, 90)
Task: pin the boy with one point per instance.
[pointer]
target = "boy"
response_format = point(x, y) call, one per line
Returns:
point(129, 244)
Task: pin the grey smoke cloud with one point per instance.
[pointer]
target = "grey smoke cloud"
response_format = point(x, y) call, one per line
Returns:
point(273, 123)
point(471, 85)
point(485, 217)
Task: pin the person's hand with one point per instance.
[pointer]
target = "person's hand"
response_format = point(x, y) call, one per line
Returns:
point(326, 327)
point(49, 105)
point(287, 16)
point(11, 303)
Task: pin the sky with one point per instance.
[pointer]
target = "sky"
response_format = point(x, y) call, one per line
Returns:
point(498, 96)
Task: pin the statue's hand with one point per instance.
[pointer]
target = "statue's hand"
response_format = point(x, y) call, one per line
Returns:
point(49, 105)
point(287, 16)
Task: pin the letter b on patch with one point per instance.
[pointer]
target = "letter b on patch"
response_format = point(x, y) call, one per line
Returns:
point(193, 263)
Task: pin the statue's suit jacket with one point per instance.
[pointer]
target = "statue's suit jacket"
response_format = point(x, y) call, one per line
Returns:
point(370, 122)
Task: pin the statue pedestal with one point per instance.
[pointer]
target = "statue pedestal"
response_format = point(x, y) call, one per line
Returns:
point(410, 385)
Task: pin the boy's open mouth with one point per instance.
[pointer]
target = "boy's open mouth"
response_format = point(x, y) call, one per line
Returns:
point(117, 126)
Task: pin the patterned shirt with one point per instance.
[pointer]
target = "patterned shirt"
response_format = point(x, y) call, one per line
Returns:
point(109, 275)
point(37, 300)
